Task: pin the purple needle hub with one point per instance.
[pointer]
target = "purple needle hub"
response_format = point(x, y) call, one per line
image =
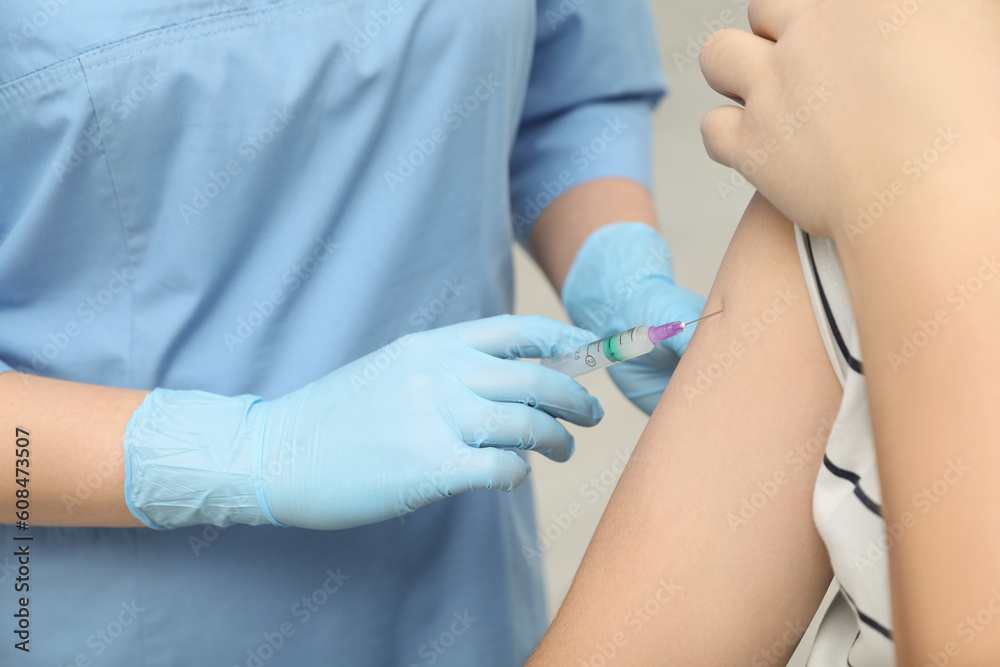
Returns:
point(661, 333)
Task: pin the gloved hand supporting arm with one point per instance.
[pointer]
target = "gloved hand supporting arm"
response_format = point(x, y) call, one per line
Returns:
point(614, 275)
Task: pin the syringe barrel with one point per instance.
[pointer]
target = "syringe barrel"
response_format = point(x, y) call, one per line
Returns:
point(602, 353)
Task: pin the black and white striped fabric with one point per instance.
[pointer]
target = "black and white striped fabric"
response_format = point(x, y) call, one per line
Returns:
point(847, 502)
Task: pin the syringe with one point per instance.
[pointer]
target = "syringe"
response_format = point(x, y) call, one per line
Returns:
point(617, 347)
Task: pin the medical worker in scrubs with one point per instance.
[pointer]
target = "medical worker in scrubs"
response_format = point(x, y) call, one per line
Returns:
point(254, 264)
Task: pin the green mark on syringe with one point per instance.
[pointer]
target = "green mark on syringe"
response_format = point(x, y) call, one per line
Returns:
point(612, 346)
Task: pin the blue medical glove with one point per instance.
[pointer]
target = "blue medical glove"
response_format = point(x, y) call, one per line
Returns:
point(428, 416)
point(621, 278)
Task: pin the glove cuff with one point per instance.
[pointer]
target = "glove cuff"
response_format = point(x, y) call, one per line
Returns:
point(280, 453)
point(607, 272)
point(194, 458)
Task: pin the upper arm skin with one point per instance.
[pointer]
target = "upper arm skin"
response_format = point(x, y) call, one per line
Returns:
point(675, 574)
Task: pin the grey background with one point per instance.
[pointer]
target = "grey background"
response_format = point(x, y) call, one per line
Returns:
point(698, 221)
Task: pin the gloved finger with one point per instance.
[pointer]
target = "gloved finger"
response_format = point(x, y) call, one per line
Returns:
point(488, 468)
point(524, 336)
point(552, 392)
point(515, 425)
point(474, 469)
point(729, 61)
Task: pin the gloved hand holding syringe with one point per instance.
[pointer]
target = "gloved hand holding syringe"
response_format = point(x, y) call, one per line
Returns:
point(617, 347)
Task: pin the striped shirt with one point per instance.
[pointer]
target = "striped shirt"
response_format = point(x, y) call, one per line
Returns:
point(847, 501)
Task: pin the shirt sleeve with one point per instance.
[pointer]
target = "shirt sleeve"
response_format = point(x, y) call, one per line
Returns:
point(595, 79)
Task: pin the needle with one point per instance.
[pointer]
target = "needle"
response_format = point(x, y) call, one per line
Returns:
point(703, 317)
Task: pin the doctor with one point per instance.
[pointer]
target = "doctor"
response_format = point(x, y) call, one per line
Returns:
point(254, 262)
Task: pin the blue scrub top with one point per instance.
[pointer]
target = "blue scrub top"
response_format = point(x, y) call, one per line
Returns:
point(240, 197)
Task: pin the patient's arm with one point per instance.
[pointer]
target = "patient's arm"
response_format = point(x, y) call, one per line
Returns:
point(676, 574)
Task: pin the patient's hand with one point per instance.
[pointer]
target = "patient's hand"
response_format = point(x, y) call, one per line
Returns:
point(859, 102)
